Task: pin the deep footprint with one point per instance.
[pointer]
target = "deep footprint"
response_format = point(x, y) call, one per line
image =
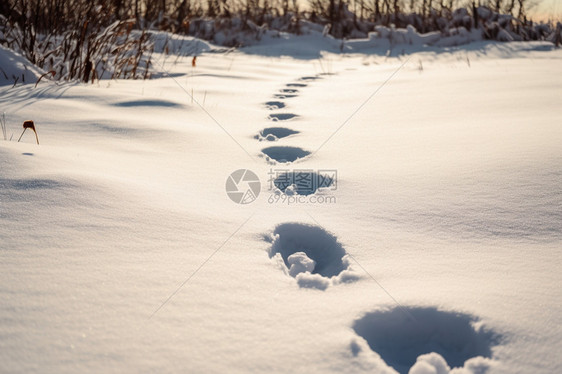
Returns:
point(311, 254)
point(296, 84)
point(281, 116)
point(272, 105)
point(285, 154)
point(275, 133)
point(284, 96)
point(400, 335)
point(289, 91)
point(311, 78)
point(305, 182)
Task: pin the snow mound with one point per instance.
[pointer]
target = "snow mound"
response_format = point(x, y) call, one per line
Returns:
point(307, 280)
point(431, 363)
point(299, 262)
point(16, 69)
point(434, 363)
point(165, 42)
point(400, 335)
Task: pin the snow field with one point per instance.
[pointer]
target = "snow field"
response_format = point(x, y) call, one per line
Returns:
point(447, 194)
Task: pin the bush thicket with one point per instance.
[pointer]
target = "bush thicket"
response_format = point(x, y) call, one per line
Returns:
point(91, 39)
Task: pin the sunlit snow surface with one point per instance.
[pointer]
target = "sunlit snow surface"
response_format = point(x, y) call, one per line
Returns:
point(444, 236)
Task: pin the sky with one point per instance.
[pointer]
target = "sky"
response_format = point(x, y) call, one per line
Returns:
point(548, 9)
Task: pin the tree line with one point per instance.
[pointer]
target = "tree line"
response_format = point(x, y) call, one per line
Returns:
point(94, 39)
point(175, 15)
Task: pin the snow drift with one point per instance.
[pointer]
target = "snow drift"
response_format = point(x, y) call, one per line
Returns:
point(14, 68)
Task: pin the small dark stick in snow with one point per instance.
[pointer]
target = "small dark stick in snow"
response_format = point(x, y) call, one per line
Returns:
point(29, 125)
point(194, 61)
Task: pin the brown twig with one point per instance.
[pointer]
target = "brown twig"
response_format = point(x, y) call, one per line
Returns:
point(29, 125)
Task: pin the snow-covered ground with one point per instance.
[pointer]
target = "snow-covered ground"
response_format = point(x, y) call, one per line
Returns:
point(120, 250)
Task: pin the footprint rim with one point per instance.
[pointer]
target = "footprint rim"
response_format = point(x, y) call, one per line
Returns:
point(275, 105)
point(276, 132)
point(284, 154)
point(282, 117)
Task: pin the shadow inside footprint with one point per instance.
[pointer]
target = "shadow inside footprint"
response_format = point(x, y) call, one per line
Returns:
point(400, 335)
point(314, 242)
point(281, 116)
point(272, 105)
point(284, 96)
point(285, 154)
point(309, 78)
point(289, 91)
point(296, 84)
point(305, 182)
point(275, 133)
